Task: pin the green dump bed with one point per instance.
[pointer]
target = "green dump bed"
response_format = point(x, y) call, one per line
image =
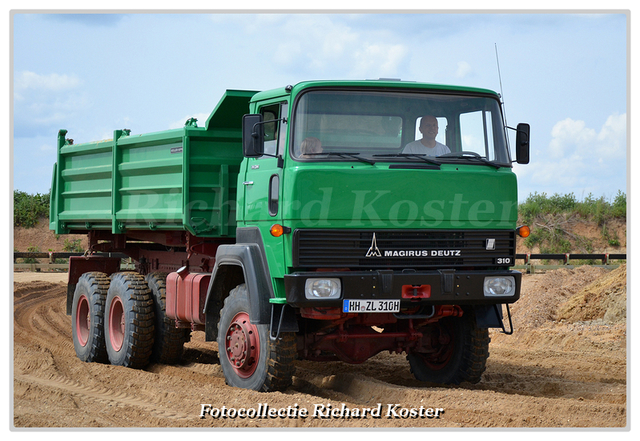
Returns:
point(183, 179)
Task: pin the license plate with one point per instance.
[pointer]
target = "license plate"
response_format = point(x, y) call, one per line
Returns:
point(371, 306)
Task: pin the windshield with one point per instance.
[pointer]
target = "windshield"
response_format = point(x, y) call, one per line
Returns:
point(377, 126)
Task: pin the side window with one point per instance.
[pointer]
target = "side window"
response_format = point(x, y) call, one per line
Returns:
point(270, 113)
point(476, 129)
point(274, 131)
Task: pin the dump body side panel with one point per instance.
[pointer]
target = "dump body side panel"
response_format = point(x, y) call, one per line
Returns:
point(176, 180)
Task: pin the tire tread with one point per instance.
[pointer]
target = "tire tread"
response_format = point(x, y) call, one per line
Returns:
point(280, 356)
point(169, 340)
point(97, 284)
point(138, 343)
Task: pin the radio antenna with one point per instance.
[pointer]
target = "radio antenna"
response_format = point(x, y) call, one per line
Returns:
point(500, 79)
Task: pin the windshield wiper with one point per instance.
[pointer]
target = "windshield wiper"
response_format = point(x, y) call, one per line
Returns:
point(353, 155)
point(470, 155)
point(410, 155)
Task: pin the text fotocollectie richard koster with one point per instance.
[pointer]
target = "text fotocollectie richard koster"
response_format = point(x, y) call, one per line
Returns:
point(321, 411)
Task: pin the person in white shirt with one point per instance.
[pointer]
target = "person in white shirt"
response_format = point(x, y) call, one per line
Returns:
point(428, 144)
point(310, 147)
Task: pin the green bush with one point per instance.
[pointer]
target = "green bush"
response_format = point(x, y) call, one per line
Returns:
point(619, 207)
point(548, 216)
point(597, 209)
point(73, 246)
point(32, 249)
point(28, 209)
point(539, 204)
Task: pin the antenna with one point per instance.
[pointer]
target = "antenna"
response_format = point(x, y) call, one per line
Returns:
point(500, 79)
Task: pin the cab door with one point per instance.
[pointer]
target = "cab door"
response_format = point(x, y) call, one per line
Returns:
point(263, 179)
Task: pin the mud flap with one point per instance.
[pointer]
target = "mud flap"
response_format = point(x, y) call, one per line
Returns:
point(283, 319)
point(491, 316)
point(499, 310)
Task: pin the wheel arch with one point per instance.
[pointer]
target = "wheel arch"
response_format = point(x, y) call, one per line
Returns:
point(237, 264)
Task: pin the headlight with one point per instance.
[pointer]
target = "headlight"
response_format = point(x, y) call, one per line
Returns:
point(500, 286)
point(322, 288)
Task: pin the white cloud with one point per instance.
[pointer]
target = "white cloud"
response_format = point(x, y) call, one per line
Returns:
point(312, 42)
point(52, 82)
point(287, 52)
point(379, 59)
point(580, 159)
point(44, 101)
point(463, 70)
point(567, 136)
point(326, 46)
point(572, 138)
point(612, 139)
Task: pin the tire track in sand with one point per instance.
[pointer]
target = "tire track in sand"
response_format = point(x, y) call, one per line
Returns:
point(103, 395)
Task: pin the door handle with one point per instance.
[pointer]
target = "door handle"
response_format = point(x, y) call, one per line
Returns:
point(247, 183)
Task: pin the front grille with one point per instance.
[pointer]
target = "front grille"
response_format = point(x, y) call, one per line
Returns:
point(402, 248)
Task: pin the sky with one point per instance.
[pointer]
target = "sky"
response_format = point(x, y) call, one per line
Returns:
point(565, 73)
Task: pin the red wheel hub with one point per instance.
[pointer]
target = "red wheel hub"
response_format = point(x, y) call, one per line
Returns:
point(442, 343)
point(83, 320)
point(116, 323)
point(242, 345)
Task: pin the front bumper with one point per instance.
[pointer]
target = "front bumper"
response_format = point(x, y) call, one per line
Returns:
point(438, 287)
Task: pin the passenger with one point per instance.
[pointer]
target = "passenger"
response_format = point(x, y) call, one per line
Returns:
point(310, 148)
point(428, 144)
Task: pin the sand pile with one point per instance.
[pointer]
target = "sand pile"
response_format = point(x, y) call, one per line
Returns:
point(604, 300)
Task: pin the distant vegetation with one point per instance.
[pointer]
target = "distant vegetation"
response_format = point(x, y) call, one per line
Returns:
point(552, 218)
point(29, 208)
point(598, 210)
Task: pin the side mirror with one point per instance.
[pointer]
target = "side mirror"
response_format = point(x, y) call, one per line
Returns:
point(522, 143)
point(252, 136)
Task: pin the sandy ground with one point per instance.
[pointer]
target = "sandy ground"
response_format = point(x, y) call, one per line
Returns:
point(565, 366)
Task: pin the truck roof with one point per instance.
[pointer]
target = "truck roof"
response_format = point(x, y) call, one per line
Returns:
point(233, 104)
point(382, 82)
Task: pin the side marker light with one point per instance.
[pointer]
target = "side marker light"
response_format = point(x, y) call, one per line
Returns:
point(278, 230)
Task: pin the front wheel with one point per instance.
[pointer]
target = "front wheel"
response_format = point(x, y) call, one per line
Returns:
point(454, 350)
point(248, 357)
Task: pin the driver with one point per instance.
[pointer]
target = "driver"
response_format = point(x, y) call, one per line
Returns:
point(310, 147)
point(428, 144)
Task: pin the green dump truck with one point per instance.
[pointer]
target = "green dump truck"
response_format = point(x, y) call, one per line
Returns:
point(327, 221)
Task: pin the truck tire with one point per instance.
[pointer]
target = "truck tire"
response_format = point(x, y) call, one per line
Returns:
point(462, 352)
point(169, 341)
point(129, 320)
point(87, 316)
point(248, 357)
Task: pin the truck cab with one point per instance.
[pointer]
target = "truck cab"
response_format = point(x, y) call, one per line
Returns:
point(359, 231)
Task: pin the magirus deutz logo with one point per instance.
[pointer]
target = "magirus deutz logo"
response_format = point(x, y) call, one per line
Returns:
point(374, 251)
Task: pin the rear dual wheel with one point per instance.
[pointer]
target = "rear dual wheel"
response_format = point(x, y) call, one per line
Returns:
point(123, 320)
point(169, 341)
point(87, 315)
point(129, 323)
